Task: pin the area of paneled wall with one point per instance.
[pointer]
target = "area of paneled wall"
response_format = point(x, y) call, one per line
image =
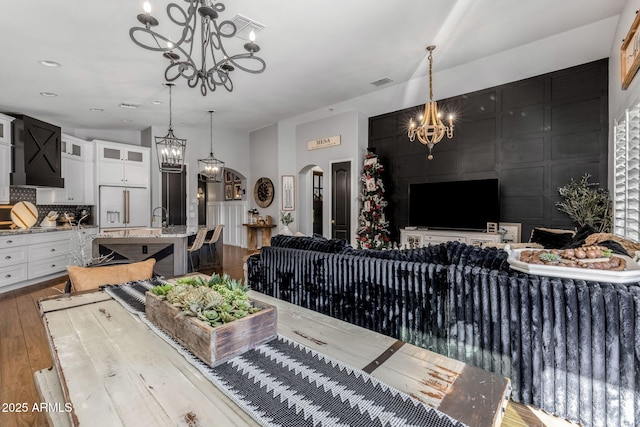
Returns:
point(534, 135)
point(232, 215)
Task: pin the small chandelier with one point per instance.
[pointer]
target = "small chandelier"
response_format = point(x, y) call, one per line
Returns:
point(211, 168)
point(431, 129)
point(214, 66)
point(170, 149)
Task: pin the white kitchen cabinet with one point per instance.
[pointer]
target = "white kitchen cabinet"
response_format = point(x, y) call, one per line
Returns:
point(77, 165)
point(48, 257)
point(13, 260)
point(122, 164)
point(5, 157)
point(416, 238)
point(31, 257)
point(5, 171)
point(5, 129)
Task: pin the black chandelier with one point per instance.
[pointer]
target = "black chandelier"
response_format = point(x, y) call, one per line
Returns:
point(211, 168)
point(214, 65)
point(170, 149)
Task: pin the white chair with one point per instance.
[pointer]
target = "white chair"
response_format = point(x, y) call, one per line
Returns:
point(196, 246)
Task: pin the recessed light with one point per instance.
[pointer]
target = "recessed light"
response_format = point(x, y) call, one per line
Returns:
point(126, 121)
point(48, 63)
point(48, 94)
point(97, 110)
point(157, 102)
point(130, 105)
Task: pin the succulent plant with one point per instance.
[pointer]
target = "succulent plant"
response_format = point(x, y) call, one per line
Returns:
point(215, 301)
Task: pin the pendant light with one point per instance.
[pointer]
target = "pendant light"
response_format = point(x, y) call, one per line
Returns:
point(431, 129)
point(211, 168)
point(170, 149)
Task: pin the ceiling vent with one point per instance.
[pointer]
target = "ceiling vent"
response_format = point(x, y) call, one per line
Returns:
point(129, 105)
point(244, 26)
point(383, 81)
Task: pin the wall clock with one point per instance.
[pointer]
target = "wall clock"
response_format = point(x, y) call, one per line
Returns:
point(263, 192)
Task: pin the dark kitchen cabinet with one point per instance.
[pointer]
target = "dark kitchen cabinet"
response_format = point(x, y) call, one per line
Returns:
point(36, 153)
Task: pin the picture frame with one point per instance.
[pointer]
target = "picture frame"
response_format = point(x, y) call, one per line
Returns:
point(630, 54)
point(513, 231)
point(228, 192)
point(228, 177)
point(237, 192)
point(288, 193)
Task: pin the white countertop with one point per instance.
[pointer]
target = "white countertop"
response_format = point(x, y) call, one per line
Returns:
point(145, 232)
point(34, 230)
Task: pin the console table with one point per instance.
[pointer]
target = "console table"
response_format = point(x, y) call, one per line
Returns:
point(412, 238)
point(114, 370)
point(252, 235)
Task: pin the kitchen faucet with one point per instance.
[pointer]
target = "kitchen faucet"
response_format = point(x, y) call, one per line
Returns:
point(165, 223)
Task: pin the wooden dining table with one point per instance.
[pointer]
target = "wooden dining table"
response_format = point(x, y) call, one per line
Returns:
point(115, 370)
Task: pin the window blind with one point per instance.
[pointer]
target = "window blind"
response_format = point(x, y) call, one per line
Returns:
point(627, 175)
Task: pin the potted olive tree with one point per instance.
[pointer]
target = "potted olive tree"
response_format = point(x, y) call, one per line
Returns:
point(587, 204)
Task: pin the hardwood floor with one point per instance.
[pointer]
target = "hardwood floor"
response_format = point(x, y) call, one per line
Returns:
point(24, 349)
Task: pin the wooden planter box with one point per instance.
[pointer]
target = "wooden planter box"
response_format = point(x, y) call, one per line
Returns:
point(214, 345)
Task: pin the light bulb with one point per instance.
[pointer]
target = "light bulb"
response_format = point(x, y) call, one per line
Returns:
point(169, 45)
point(252, 36)
point(147, 7)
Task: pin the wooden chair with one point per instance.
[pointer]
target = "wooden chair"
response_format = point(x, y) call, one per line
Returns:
point(196, 246)
point(217, 231)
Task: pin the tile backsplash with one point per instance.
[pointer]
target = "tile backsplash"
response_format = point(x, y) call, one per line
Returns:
point(22, 194)
point(28, 194)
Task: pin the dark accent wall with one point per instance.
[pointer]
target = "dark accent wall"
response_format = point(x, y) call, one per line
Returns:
point(534, 135)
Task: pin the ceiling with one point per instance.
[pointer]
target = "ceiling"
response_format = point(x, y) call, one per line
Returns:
point(318, 53)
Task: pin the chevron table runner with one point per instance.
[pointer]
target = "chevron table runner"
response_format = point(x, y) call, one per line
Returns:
point(283, 383)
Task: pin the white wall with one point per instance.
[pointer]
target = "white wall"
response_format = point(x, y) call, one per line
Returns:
point(230, 146)
point(122, 136)
point(620, 99)
point(347, 126)
point(264, 153)
point(585, 44)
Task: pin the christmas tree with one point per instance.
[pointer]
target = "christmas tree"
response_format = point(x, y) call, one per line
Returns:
point(373, 230)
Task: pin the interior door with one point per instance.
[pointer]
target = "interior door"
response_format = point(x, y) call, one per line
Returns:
point(341, 201)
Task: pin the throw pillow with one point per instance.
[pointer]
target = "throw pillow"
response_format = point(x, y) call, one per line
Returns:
point(552, 238)
point(85, 278)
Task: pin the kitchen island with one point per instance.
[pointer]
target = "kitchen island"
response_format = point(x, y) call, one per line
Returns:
point(168, 245)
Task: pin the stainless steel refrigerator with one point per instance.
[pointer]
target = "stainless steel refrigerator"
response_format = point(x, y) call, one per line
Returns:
point(124, 207)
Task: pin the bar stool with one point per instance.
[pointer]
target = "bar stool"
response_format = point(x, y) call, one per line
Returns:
point(196, 246)
point(217, 231)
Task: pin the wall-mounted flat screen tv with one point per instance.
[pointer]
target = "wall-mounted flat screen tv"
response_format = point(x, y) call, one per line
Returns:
point(460, 205)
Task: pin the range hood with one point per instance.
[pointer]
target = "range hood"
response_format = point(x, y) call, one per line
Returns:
point(36, 158)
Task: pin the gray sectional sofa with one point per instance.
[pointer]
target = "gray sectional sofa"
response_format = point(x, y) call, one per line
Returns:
point(570, 347)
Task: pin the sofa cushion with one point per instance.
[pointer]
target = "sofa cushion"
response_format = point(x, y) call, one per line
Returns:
point(309, 243)
point(85, 278)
